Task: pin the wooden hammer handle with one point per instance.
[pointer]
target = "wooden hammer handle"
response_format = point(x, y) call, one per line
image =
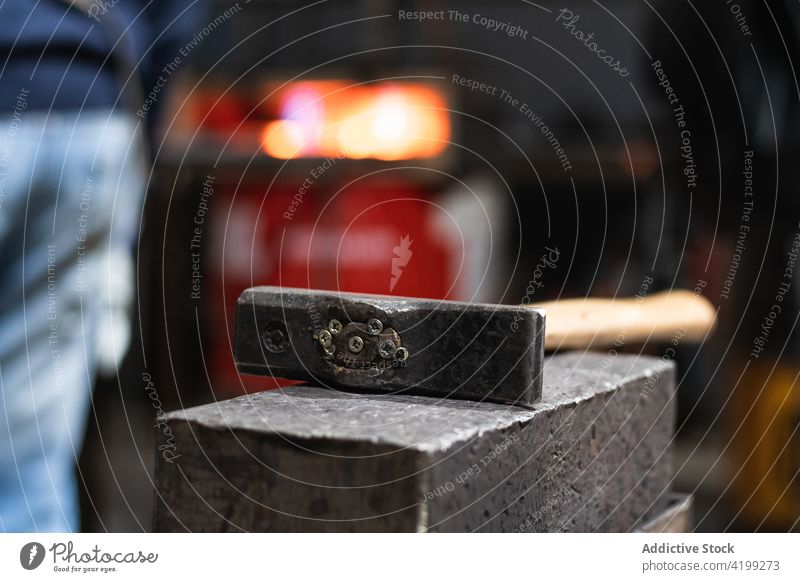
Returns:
point(596, 323)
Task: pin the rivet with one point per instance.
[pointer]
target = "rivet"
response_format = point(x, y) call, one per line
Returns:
point(374, 326)
point(325, 338)
point(387, 349)
point(275, 338)
point(356, 344)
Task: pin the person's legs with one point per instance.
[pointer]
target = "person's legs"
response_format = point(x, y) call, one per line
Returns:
point(61, 181)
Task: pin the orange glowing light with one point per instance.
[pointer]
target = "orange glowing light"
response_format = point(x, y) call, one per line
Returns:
point(283, 139)
point(385, 122)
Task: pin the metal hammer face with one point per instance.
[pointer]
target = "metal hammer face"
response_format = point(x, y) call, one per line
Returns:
point(392, 344)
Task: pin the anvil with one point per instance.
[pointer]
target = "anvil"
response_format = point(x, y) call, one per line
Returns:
point(448, 349)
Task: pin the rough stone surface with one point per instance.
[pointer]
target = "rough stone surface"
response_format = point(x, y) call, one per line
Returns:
point(592, 455)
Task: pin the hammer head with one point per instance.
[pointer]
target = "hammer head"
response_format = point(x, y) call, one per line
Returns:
point(392, 344)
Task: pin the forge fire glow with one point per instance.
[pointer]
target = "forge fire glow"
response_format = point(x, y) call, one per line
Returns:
point(394, 121)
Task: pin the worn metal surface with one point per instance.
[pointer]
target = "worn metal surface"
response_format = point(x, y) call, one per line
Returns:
point(593, 455)
point(414, 346)
point(676, 518)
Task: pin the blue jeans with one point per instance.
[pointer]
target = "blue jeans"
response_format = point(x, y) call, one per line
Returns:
point(71, 187)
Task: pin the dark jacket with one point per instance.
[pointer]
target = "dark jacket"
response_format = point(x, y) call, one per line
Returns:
point(58, 54)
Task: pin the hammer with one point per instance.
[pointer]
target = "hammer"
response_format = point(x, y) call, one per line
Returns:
point(443, 348)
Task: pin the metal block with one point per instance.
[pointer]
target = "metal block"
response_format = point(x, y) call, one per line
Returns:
point(676, 518)
point(593, 455)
